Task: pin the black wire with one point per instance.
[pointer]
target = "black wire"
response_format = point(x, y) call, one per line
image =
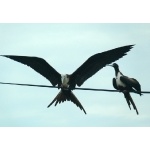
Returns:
point(47, 86)
point(28, 85)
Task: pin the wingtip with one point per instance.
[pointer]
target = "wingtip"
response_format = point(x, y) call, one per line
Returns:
point(5, 56)
point(12, 56)
point(129, 46)
point(132, 45)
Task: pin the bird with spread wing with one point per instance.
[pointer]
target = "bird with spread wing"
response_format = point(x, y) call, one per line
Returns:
point(68, 82)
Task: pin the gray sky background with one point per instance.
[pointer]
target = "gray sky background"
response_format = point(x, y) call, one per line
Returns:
point(27, 106)
point(66, 47)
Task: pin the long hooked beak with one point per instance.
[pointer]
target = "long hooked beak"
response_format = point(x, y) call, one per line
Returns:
point(110, 65)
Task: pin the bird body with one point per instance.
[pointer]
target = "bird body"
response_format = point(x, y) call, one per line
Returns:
point(66, 82)
point(126, 85)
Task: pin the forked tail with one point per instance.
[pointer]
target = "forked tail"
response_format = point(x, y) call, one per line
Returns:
point(65, 95)
point(130, 100)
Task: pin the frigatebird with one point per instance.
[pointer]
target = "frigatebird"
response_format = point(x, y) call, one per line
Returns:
point(126, 85)
point(67, 82)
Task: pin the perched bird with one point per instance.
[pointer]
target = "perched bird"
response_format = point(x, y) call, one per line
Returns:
point(126, 85)
point(68, 82)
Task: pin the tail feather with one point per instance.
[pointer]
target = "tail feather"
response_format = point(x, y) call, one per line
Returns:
point(67, 95)
point(76, 101)
point(130, 100)
point(54, 100)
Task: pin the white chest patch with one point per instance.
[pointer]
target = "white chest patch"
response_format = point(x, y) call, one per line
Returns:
point(118, 81)
point(65, 80)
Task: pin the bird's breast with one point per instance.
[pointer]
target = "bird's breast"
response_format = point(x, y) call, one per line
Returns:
point(65, 81)
point(119, 82)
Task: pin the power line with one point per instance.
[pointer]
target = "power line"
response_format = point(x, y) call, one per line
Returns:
point(47, 86)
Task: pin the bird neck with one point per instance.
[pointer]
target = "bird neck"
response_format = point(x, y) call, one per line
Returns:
point(116, 71)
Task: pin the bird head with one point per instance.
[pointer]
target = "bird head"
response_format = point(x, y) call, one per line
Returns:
point(114, 65)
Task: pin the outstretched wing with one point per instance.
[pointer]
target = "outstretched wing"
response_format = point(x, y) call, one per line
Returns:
point(40, 66)
point(97, 62)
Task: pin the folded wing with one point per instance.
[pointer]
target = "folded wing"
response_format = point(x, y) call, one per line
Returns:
point(132, 83)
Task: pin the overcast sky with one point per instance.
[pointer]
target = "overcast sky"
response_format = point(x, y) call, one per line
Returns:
point(66, 47)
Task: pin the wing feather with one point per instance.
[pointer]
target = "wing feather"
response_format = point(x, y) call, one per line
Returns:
point(40, 66)
point(97, 62)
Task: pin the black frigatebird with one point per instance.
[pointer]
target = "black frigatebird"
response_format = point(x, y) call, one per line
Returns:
point(68, 82)
point(126, 85)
